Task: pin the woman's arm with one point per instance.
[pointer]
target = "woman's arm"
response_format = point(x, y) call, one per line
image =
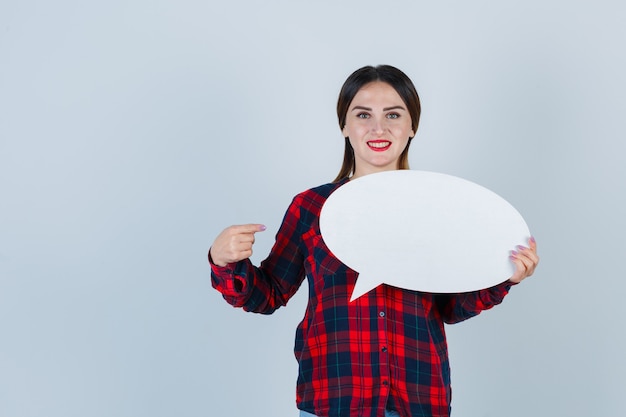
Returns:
point(265, 288)
point(458, 307)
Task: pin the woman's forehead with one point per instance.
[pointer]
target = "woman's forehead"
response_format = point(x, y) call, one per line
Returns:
point(377, 93)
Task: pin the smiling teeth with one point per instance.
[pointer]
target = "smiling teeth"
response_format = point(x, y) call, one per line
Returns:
point(379, 144)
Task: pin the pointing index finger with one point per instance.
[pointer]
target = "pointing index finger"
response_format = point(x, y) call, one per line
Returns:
point(249, 228)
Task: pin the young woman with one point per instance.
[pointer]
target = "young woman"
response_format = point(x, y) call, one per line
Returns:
point(385, 353)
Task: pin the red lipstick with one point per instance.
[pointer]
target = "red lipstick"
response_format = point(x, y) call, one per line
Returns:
point(379, 145)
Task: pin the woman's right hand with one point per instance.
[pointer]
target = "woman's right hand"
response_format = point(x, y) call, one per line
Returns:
point(234, 244)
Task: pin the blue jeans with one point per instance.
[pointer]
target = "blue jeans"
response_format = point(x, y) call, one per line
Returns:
point(387, 414)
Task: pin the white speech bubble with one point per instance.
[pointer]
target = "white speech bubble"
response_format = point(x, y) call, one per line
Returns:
point(422, 231)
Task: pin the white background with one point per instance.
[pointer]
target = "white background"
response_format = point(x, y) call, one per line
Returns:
point(133, 132)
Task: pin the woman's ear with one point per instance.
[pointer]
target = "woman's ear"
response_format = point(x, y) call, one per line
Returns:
point(344, 131)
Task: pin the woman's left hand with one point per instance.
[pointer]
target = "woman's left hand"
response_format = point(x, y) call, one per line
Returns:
point(525, 260)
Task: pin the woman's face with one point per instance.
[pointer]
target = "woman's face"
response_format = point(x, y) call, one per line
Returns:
point(379, 126)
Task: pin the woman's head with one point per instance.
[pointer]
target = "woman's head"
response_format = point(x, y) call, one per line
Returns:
point(371, 83)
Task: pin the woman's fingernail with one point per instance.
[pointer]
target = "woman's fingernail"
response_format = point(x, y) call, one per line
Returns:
point(513, 253)
point(520, 247)
point(532, 239)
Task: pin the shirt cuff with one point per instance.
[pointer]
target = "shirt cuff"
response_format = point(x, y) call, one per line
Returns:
point(229, 279)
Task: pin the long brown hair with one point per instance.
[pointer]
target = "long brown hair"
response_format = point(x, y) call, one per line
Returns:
point(359, 78)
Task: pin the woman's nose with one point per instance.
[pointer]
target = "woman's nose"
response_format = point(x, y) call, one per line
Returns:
point(378, 125)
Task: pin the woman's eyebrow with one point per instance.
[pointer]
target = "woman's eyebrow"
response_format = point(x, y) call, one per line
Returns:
point(370, 109)
point(394, 108)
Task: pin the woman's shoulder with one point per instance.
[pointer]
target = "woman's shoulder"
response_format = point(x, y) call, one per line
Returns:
point(321, 191)
point(316, 196)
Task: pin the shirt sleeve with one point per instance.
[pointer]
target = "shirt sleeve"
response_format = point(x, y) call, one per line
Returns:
point(455, 308)
point(265, 288)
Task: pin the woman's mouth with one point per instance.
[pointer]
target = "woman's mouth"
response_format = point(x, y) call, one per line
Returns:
point(379, 145)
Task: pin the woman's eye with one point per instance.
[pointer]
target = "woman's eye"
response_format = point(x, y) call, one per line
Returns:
point(393, 116)
point(363, 116)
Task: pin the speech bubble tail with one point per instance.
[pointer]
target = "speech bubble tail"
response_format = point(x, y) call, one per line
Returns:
point(363, 285)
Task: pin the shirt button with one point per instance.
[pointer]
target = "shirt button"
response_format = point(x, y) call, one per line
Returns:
point(381, 314)
point(385, 382)
point(384, 349)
